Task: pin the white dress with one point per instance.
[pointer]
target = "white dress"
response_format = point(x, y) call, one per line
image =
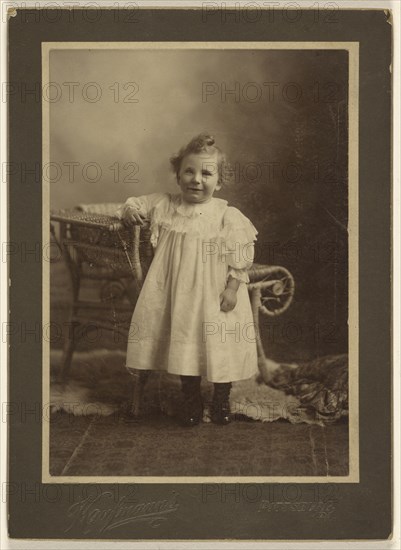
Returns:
point(177, 325)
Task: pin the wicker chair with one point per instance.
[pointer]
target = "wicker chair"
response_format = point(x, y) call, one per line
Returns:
point(114, 260)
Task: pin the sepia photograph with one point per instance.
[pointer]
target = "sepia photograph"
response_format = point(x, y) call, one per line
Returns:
point(197, 256)
point(200, 286)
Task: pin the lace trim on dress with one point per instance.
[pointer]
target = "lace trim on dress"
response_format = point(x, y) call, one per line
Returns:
point(238, 236)
point(235, 239)
point(203, 219)
point(239, 274)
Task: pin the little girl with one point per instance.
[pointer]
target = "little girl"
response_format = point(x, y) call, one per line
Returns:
point(193, 317)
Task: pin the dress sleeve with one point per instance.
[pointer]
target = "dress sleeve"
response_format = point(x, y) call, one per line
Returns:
point(144, 204)
point(238, 250)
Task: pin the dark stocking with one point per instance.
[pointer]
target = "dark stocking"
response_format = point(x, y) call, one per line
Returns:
point(193, 409)
point(220, 403)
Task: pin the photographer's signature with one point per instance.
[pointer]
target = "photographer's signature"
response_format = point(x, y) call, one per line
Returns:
point(101, 514)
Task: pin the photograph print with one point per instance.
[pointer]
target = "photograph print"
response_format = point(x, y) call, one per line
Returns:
point(201, 290)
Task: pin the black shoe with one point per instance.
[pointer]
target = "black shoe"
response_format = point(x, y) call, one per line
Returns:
point(221, 413)
point(220, 404)
point(191, 416)
point(192, 411)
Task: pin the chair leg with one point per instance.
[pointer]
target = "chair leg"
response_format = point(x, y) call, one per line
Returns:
point(68, 350)
point(140, 379)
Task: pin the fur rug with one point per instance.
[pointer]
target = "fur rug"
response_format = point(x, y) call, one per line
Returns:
point(99, 384)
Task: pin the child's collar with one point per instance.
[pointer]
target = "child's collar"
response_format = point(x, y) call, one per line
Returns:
point(196, 209)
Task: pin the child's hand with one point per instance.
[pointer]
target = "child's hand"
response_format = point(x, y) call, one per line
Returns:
point(228, 299)
point(132, 216)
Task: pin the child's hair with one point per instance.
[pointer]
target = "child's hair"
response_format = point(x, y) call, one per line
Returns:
point(203, 143)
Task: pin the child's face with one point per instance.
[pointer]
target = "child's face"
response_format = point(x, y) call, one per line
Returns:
point(198, 177)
